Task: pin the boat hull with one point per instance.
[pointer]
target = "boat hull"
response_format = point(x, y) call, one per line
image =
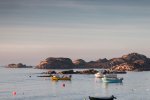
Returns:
point(112, 80)
point(102, 98)
point(98, 75)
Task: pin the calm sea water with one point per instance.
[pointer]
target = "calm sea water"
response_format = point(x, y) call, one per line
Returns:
point(135, 86)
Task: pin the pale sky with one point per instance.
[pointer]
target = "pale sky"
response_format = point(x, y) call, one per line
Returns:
point(32, 30)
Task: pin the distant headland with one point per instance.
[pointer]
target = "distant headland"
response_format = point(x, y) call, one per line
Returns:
point(129, 62)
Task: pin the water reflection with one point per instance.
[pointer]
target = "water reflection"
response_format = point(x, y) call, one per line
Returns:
point(80, 87)
point(106, 85)
point(98, 80)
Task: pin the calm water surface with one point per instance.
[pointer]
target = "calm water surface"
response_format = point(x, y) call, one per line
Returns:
point(135, 86)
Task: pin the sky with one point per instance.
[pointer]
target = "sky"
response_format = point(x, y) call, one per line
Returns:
point(33, 30)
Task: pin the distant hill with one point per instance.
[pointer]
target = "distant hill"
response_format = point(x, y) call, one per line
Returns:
point(129, 62)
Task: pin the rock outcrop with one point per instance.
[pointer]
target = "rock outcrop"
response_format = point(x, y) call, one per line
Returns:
point(19, 65)
point(56, 63)
point(88, 71)
point(133, 62)
point(101, 63)
point(130, 62)
point(123, 67)
point(67, 72)
point(79, 63)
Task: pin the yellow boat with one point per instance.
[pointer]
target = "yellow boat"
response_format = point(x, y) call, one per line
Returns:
point(60, 78)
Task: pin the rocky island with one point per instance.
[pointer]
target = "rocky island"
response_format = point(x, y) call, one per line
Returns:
point(19, 65)
point(133, 62)
point(56, 63)
point(129, 62)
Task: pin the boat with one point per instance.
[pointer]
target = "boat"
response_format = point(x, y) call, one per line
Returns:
point(99, 75)
point(102, 98)
point(111, 78)
point(54, 77)
point(110, 75)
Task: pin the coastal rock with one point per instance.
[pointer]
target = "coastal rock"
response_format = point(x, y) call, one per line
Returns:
point(116, 61)
point(56, 63)
point(133, 62)
point(102, 60)
point(49, 72)
point(133, 57)
point(89, 71)
point(123, 67)
point(79, 63)
point(67, 72)
point(98, 64)
point(129, 62)
point(19, 65)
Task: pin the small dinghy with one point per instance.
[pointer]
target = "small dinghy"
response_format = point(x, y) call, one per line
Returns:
point(102, 98)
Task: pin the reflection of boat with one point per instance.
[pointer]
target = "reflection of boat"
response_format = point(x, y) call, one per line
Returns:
point(102, 98)
point(110, 78)
point(106, 85)
point(61, 78)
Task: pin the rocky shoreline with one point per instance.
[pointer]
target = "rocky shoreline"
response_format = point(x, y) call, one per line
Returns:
point(129, 62)
point(87, 71)
point(19, 65)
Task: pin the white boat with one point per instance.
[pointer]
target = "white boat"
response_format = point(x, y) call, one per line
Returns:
point(110, 75)
point(99, 75)
point(111, 78)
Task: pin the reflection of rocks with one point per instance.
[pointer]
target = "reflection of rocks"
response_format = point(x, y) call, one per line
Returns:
point(19, 65)
point(56, 63)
